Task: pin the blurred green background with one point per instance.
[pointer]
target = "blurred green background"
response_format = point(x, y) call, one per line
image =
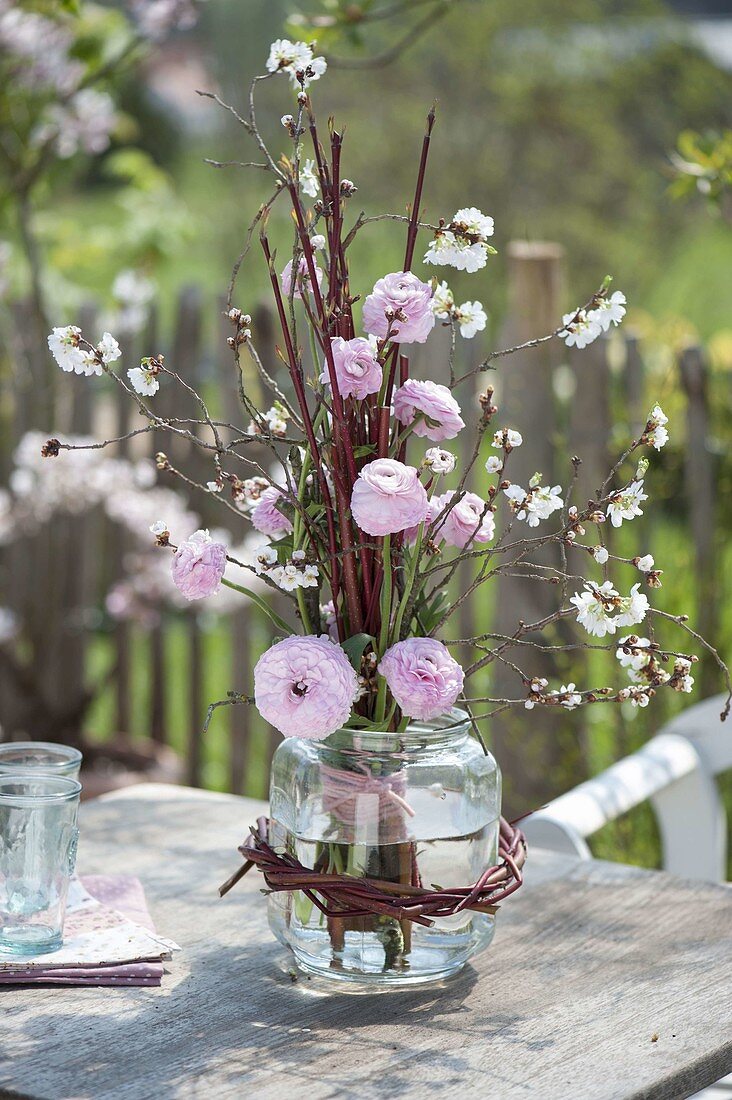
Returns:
point(558, 118)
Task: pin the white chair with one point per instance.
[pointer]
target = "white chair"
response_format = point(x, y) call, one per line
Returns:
point(676, 772)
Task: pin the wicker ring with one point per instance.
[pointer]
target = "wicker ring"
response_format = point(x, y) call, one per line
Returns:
point(346, 896)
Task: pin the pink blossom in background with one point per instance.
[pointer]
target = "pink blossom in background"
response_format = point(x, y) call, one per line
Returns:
point(198, 566)
point(329, 620)
point(422, 676)
point(303, 278)
point(305, 686)
point(436, 402)
point(388, 497)
point(463, 524)
point(267, 517)
point(404, 293)
point(358, 371)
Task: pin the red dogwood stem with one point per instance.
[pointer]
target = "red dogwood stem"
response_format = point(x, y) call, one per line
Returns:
point(299, 388)
point(414, 215)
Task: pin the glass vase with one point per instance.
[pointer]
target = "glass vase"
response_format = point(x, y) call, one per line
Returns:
point(419, 808)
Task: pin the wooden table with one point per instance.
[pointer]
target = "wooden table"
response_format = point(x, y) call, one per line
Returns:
point(603, 982)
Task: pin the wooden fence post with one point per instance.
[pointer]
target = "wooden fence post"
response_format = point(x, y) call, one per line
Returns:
point(700, 492)
point(633, 374)
point(539, 752)
point(589, 433)
point(589, 421)
point(196, 705)
point(157, 664)
point(122, 544)
point(524, 382)
point(239, 715)
point(240, 621)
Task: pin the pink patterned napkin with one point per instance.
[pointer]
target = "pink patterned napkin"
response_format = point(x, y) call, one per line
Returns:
point(107, 918)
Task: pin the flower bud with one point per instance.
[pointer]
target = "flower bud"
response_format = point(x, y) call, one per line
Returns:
point(51, 448)
point(161, 532)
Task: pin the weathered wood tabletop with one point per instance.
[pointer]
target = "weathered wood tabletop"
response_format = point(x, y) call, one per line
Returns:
point(602, 982)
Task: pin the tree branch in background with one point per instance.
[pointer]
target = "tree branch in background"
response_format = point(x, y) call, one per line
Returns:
point(405, 42)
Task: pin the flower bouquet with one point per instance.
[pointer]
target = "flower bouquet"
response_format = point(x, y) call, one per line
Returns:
point(385, 853)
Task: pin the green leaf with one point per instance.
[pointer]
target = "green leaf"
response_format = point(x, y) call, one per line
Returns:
point(431, 614)
point(286, 544)
point(261, 604)
point(354, 648)
point(366, 449)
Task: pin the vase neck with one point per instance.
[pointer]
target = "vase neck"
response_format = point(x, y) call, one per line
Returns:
point(449, 729)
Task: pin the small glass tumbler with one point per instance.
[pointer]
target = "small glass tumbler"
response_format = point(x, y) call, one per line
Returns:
point(39, 757)
point(38, 838)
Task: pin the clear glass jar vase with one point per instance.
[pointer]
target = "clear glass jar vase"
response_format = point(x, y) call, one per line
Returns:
point(419, 808)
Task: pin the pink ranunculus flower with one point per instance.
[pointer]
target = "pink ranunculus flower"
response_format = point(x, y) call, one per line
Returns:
point(358, 371)
point(403, 293)
point(433, 510)
point(463, 524)
point(267, 517)
point(302, 280)
point(198, 566)
point(422, 676)
point(305, 686)
point(388, 497)
point(442, 418)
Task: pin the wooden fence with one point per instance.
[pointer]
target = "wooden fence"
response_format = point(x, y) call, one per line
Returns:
point(54, 580)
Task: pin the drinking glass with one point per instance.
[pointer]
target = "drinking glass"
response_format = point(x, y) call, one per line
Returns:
point(38, 838)
point(43, 757)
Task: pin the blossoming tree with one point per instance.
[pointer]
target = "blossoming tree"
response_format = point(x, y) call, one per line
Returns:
point(61, 67)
